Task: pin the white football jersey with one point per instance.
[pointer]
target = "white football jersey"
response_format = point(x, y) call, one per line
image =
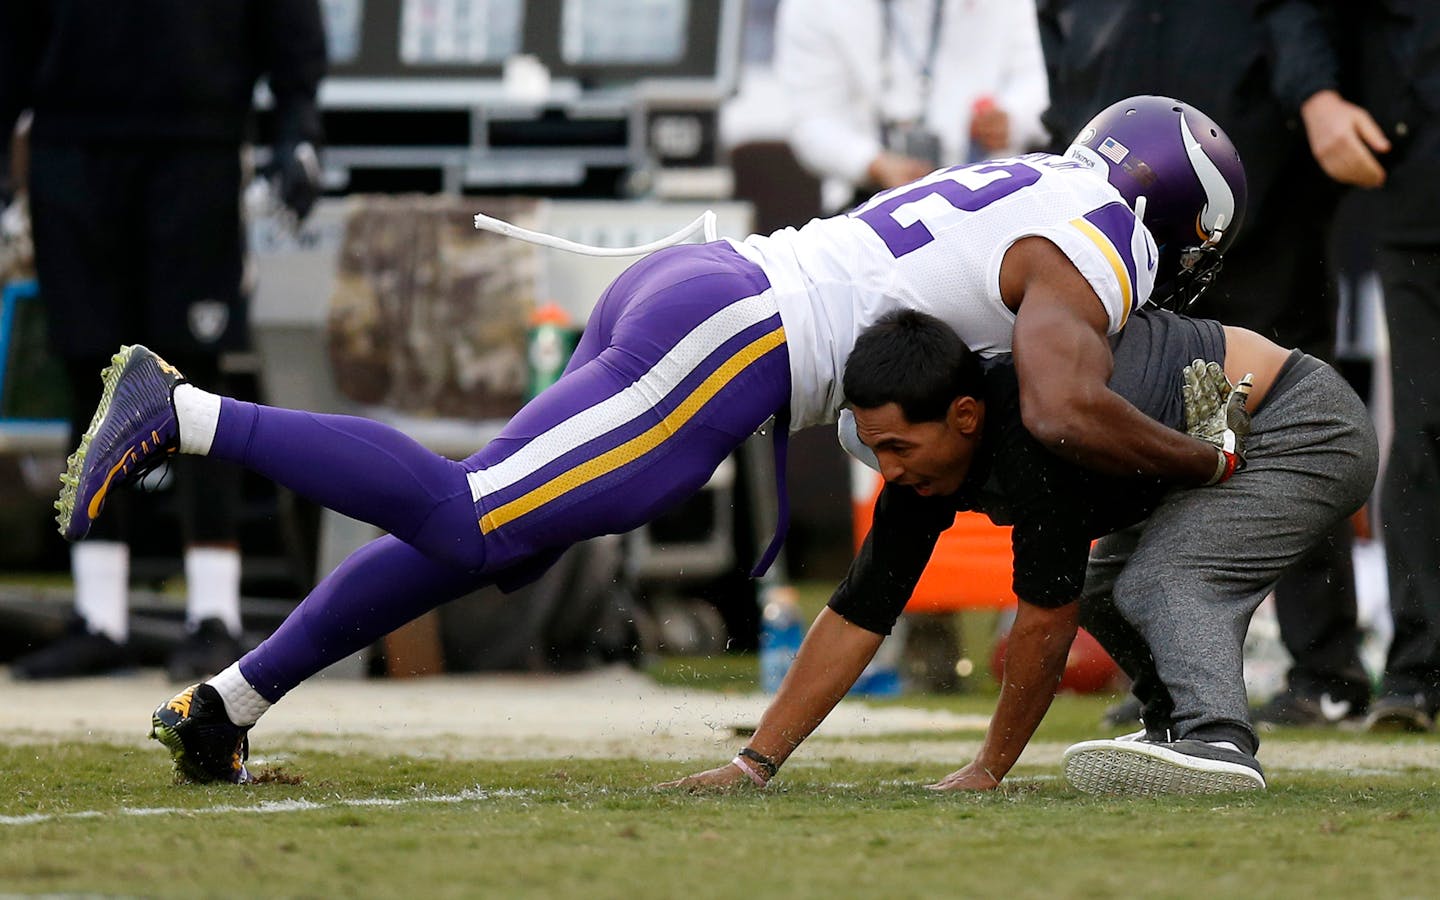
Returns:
point(935, 245)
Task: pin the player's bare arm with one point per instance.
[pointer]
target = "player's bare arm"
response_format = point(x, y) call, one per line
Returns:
point(1063, 361)
point(832, 657)
point(1039, 643)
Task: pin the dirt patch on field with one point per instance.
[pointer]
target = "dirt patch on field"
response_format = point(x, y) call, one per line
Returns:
point(609, 713)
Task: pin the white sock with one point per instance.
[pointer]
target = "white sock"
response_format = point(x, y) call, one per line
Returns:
point(212, 586)
point(198, 413)
point(102, 584)
point(1226, 744)
point(243, 704)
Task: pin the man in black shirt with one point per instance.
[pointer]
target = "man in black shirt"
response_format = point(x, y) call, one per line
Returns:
point(1169, 599)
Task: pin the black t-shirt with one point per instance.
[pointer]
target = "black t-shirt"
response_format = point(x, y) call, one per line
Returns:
point(1056, 508)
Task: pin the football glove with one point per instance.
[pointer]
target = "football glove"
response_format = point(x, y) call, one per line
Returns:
point(295, 174)
point(1215, 413)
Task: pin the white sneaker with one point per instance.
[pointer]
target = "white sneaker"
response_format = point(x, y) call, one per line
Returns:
point(1136, 767)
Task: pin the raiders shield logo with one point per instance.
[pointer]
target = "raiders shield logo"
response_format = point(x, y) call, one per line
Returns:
point(208, 320)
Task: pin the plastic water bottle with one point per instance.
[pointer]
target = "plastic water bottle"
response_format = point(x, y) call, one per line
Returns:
point(881, 677)
point(781, 631)
point(549, 343)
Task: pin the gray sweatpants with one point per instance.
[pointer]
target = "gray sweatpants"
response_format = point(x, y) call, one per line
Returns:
point(1171, 598)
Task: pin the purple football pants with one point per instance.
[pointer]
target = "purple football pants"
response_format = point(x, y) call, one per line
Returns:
point(683, 359)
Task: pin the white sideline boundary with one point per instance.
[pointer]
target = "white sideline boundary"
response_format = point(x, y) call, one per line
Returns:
point(271, 807)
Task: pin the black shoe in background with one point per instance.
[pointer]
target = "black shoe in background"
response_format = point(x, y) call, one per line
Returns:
point(77, 654)
point(1123, 714)
point(1302, 709)
point(204, 652)
point(1395, 712)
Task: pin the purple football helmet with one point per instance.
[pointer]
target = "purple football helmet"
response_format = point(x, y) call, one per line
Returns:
point(1181, 176)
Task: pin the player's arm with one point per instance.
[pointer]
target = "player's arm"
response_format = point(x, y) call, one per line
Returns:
point(832, 657)
point(292, 36)
point(1063, 361)
point(1034, 662)
point(1050, 544)
point(843, 638)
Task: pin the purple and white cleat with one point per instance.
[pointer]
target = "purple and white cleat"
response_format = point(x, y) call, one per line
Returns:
point(133, 431)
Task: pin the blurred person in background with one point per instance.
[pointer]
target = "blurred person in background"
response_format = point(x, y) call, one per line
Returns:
point(893, 89)
point(1365, 79)
point(139, 112)
point(1219, 56)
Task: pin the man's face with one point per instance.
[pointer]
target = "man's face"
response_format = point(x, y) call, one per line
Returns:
point(931, 457)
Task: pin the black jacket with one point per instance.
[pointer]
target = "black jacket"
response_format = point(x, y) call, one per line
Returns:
point(1382, 54)
point(138, 70)
point(1385, 56)
point(1214, 55)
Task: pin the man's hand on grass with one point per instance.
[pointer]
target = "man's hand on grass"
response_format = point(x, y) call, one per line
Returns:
point(722, 778)
point(973, 777)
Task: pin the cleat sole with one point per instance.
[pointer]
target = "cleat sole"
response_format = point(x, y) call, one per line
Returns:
point(184, 768)
point(166, 736)
point(166, 726)
point(75, 463)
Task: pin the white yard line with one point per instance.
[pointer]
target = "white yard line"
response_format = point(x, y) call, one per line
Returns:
point(270, 807)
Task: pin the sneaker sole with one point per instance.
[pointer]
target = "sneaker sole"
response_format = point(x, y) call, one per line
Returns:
point(1141, 770)
point(75, 464)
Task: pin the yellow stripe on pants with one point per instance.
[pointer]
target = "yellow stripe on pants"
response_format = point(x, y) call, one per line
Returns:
point(639, 445)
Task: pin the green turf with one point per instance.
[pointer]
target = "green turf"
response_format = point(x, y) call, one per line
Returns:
point(384, 826)
point(86, 818)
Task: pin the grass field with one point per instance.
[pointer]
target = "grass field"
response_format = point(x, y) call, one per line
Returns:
point(1347, 815)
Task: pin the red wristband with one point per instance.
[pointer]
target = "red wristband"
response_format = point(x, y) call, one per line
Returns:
point(1225, 466)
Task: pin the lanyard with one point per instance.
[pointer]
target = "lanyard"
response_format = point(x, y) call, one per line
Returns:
point(926, 66)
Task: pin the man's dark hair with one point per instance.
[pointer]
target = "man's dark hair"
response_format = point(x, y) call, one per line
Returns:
point(913, 360)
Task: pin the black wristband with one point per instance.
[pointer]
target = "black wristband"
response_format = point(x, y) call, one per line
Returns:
point(766, 764)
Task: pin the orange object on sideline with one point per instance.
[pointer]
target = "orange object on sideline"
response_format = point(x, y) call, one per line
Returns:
point(551, 314)
point(972, 563)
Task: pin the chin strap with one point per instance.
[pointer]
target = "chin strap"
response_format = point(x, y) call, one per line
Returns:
point(704, 224)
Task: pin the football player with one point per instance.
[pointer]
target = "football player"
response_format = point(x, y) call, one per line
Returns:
point(686, 354)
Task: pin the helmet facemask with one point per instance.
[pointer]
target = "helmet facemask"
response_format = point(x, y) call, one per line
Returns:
point(1192, 270)
point(1195, 272)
